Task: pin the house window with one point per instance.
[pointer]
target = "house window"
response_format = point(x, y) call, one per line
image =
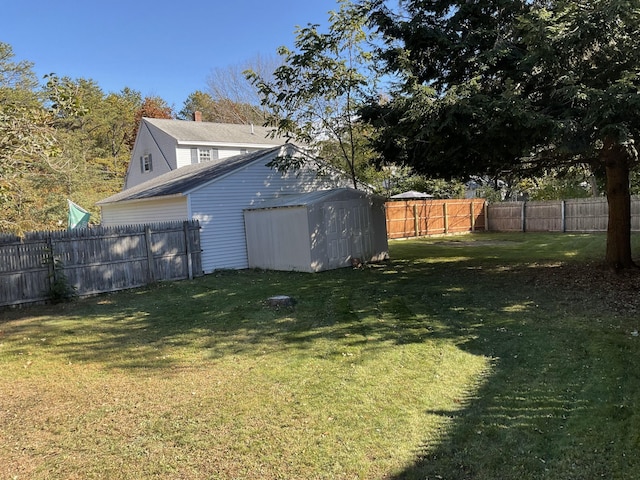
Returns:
point(145, 163)
point(204, 155)
point(207, 154)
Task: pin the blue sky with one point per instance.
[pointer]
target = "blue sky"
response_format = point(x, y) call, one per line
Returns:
point(160, 48)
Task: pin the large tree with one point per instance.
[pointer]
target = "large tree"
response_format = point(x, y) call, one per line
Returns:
point(28, 147)
point(490, 87)
point(314, 95)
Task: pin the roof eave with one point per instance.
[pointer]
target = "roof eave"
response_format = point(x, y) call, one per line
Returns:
point(226, 144)
point(140, 200)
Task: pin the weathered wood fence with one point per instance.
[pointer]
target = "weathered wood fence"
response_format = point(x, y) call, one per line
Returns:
point(414, 218)
point(578, 215)
point(97, 260)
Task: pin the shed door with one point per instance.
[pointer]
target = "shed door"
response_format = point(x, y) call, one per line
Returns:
point(336, 216)
point(361, 231)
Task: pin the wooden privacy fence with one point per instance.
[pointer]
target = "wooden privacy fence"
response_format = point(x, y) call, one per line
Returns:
point(578, 215)
point(414, 218)
point(97, 259)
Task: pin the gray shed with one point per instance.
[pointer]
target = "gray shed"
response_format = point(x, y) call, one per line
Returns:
point(316, 231)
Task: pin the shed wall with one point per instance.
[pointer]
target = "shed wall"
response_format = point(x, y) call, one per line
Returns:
point(317, 236)
point(380, 237)
point(278, 239)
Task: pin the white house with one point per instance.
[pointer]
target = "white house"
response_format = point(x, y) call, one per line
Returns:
point(163, 145)
point(216, 193)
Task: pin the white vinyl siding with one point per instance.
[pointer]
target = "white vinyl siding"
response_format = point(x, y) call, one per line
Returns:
point(219, 208)
point(155, 210)
point(186, 156)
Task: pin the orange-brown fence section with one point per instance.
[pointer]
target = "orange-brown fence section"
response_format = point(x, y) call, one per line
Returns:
point(415, 218)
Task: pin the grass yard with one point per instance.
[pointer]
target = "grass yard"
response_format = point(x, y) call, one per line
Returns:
point(487, 356)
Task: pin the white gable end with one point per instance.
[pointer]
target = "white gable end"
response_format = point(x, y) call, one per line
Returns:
point(154, 147)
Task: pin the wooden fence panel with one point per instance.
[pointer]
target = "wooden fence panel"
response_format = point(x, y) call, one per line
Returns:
point(505, 217)
point(586, 215)
point(413, 218)
point(98, 260)
point(576, 215)
point(544, 216)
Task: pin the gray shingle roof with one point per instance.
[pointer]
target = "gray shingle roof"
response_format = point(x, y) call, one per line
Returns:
point(184, 179)
point(206, 132)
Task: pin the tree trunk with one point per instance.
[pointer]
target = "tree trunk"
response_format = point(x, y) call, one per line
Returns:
point(616, 161)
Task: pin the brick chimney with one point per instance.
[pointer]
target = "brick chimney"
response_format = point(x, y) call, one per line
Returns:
point(197, 116)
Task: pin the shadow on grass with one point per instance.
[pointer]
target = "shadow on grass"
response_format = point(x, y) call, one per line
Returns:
point(559, 401)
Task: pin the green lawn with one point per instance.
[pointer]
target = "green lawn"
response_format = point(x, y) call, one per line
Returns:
point(487, 356)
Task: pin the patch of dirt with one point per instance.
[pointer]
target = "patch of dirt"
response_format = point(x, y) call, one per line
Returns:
point(618, 291)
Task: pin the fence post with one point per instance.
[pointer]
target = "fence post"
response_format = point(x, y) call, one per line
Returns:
point(147, 236)
point(523, 216)
point(473, 217)
point(51, 262)
point(564, 216)
point(486, 216)
point(187, 242)
point(416, 225)
point(446, 216)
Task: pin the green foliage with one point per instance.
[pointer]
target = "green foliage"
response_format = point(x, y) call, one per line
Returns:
point(558, 188)
point(28, 147)
point(15, 76)
point(65, 140)
point(514, 88)
point(314, 95)
point(392, 180)
point(60, 290)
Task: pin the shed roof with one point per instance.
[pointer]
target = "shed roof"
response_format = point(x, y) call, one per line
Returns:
point(185, 131)
point(185, 179)
point(311, 198)
point(412, 194)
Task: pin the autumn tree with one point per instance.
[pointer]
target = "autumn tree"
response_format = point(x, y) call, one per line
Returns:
point(497, 87)
point(28, 147)
point(151, 107)
point(222, 110)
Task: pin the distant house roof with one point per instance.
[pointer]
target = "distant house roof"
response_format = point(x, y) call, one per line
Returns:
point(411, 194)
point(185, 179)
point(186, 132)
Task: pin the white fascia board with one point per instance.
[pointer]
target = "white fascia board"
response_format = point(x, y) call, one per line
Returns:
point(184, 143)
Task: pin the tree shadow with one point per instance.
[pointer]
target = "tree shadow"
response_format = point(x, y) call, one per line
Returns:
point(559, 400)
point(543, 410)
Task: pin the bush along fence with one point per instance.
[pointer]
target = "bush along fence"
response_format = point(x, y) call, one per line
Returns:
point(577, 215)
point(52, 265)
point(415, 218)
